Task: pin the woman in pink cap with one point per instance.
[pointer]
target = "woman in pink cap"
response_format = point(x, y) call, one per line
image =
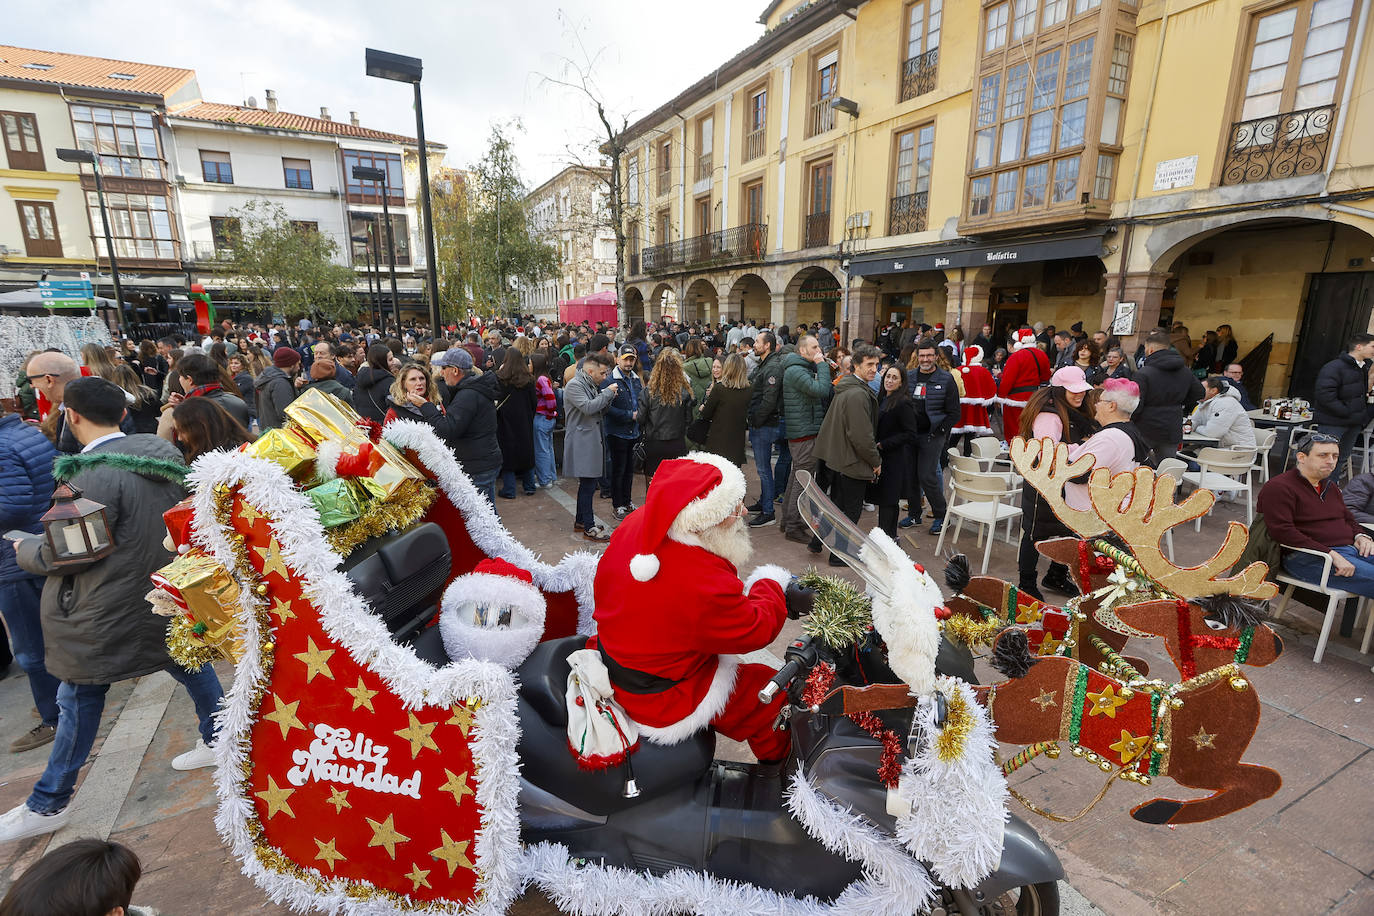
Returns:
point(1117, 446)
point(1055, 412)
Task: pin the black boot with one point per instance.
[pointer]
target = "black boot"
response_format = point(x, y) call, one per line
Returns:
point(1057, 580)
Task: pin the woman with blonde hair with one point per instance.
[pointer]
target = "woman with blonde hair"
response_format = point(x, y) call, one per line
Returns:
point(727, 410)
point(668, 410)
point(413, 386)
point(144, 405)
point(97, 359)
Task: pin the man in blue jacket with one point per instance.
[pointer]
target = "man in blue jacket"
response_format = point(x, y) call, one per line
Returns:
point(26, 486)
point(936, 398)
point(622, 427)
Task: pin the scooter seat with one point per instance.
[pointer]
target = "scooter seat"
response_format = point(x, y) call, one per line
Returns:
point(548, 762)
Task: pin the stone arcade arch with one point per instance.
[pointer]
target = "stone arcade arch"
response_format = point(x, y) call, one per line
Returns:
point(813, 294)
point(636, 306)
point(663, 303)
point(701, 302)
point(749, 297)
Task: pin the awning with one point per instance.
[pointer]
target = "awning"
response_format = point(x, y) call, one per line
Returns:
point(968, 253)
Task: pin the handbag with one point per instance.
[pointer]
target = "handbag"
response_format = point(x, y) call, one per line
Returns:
point(699, 429)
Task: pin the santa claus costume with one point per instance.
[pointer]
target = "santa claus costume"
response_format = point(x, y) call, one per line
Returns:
point(1026, 370)
point(978, 391)
point(672, 612)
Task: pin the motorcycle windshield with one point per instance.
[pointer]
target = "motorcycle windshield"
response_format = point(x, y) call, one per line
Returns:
point(834, 530)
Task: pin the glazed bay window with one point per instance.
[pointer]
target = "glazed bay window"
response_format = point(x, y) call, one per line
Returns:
point(1048, 121)
point(360, 224)
point(125, 139)
point(922, 48)
point(370, 192)
point(910, 202)
point(140, 224)
point(995, 27)
point(1296, 62)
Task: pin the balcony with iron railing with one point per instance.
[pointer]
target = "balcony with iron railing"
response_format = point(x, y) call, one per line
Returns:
point(918, 74)
point(738, 245)
point(822, 116)
point(665, 181)
point(1286, 145)
point(817, 230)
point(907, 213)
point(754, 144)
point(704, 162)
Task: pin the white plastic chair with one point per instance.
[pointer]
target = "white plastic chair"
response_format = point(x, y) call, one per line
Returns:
point(1226, 470)
point(1264, 444)
point(1175, 468)
point(988, 451)
point(1335, 598)
point(983, 500)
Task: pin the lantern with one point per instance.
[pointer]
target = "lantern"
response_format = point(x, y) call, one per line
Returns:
point(76, 528)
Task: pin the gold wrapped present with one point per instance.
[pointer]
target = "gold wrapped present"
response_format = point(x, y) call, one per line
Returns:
point(338, 501)
point(287, 448)
point(321, 416)
point(210, 595)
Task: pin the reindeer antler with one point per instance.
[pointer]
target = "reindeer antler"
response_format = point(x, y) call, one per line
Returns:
point(1046, 466)
point(1151, 512)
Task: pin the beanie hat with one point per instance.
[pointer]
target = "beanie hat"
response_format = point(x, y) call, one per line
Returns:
point(285, 357)
point(322, 369)
point(693, 493)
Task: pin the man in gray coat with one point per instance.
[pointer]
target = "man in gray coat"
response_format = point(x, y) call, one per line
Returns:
point(97, 626)
point(586, 404)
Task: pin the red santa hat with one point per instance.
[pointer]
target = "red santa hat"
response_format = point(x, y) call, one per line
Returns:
point(693, 493)
point(1023, 338)
point(973, 355)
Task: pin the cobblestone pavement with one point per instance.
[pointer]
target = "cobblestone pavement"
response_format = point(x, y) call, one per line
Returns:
point(1308, 849)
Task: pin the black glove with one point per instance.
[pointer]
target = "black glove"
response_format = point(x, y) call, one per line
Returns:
point(801, 600)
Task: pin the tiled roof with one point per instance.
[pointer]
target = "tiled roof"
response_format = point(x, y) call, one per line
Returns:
point(54, 67)
point(221, 113)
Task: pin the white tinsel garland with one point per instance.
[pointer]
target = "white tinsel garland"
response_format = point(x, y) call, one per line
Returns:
point(20, 336)
point(958, 808)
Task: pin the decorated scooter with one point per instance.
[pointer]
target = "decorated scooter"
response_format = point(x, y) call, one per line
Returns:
point(355, 776)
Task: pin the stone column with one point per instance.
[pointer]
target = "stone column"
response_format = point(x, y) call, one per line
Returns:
point(782, 309)
point(966, 304)
point(863, 312)
point(1146, 290)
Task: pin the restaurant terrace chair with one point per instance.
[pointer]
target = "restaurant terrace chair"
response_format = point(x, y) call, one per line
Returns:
point(983, 500)
point(1225, 470)
point(1264, 444)
point(1175, 468)
point(1335, 598)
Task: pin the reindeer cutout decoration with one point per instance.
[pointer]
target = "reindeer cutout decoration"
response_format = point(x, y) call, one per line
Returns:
point(1206, 633)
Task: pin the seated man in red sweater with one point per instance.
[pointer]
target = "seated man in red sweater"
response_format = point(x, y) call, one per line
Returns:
point(1302, 507)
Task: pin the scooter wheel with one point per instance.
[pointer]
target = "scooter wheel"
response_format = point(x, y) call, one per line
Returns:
point(1027, 900)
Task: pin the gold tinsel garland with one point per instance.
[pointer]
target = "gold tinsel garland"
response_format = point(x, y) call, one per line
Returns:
point(842, 614)
point(959, 721)
point(186, 647)
point(407, 507)
point(964, 629)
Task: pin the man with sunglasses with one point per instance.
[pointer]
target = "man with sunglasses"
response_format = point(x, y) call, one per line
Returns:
point(1302, 507)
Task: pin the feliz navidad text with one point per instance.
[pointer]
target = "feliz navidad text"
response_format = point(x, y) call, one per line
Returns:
point(323, 762)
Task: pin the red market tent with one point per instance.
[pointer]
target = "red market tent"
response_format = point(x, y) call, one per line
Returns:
point(591, 309)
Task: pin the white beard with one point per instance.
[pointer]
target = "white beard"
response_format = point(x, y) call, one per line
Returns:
point(730, 542)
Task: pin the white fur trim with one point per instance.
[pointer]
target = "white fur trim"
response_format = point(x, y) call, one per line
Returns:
point(958, 809)
point(895, 883)
point(779, 574)
point(574, 572)
point(905, 620)
point(722, 685)
point(1013, 402)
point(506, 646)
point(711, 509)
point(644, 566)
point(496, 730)
point(327, 455)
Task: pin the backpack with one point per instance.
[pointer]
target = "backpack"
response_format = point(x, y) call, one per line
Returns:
point(1261, 547)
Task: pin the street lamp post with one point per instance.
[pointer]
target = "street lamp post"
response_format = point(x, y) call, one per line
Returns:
point(79, 156)
point(402, 69)
point(367, 173)
point(373, 293)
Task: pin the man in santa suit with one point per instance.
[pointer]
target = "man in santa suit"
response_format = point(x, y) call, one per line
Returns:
point(1026, 370)
point(977, 389)
point(672, 613)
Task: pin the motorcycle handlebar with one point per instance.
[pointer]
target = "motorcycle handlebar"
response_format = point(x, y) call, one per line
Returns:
point(780, 680)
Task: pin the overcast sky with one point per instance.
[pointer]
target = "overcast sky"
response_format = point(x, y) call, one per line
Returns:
point(483, 61)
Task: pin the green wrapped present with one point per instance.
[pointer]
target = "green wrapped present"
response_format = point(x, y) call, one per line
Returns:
point(338, 501)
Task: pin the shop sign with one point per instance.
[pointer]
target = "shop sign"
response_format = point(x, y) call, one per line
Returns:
point(937, 257)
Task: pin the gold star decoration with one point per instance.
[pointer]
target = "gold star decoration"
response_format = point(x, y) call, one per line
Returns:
point(1106, 702)
point(1046, 699)
point(276, 798)
point(1202, 739)
point(272, 561)
point(316, 660)
point(451, 853)
point(284, 714)
point(329, 854)
point(361, 695)
point(418, 734)
point(248, 512)
point(386, 835)
point(462, 717)
point(1029, 613)
point(338, 798)
point(282, 610)
point(458, 785)
point(419, 877)
point(1129, 747)
point(1049, 645)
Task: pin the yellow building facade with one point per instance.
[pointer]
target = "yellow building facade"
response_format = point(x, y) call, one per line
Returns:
point(1055, 161)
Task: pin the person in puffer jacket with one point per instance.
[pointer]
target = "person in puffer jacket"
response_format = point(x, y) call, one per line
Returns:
point(26, 485)
point(1359, 498)
point(1221, 416)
